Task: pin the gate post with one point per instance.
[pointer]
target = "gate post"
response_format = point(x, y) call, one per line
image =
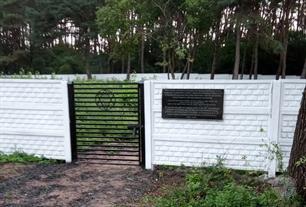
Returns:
point(148, 123)
point(274, 127)
point(141, 109)
point(72, 121)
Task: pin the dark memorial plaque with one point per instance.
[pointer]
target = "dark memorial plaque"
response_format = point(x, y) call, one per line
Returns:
point(193, 103)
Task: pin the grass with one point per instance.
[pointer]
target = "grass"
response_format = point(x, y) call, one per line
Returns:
point(24, 158)
point(221, 187)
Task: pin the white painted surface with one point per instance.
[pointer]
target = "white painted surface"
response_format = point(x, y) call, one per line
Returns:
point(148, 125)
point(274, 124)
point(257, 114)
point(34, 118)
point(291, 94)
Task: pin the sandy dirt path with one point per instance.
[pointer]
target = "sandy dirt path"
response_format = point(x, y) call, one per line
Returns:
point(80, 184)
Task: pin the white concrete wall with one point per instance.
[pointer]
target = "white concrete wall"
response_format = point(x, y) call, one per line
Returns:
point(290, 98)
point(34, 118)
point(250, 126)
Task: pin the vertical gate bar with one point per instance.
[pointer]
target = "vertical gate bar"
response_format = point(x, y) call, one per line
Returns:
point(72, 121)
point(142, 125)
point(139, 124)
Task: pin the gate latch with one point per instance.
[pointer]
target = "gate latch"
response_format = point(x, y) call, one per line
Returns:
point(136, 128)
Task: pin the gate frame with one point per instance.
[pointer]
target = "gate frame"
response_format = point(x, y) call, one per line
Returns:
point(141, 120)
point(72, 122)
point(141, 113)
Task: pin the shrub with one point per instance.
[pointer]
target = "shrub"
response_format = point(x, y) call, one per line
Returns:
point(220, 187)
point(22, 157)
point(269, 198)
point(231, 195)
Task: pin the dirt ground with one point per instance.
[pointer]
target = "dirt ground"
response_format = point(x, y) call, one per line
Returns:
point(80, 184)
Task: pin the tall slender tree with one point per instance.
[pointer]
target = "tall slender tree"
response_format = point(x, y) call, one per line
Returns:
point(153, 36)
point(237, 44)
point(303, 75)
point(297, 168)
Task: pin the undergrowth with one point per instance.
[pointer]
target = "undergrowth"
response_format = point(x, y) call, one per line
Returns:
point(22, 157)
point(221, 187)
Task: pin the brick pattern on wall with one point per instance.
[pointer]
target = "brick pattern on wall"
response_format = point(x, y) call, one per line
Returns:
point(33, 118)
point(239, 139)
point(250, 123)
point(291, 95)
point(237, 156)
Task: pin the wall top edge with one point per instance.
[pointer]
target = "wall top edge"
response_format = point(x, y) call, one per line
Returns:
point(210, 81)
point(34, 81)
point(294, 81)
point(224, 81)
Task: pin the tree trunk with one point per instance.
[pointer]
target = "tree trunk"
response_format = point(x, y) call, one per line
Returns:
point(109, 65)
point(279, 69)
point(185, 70)
point(122, 65)
point(88, 72)
point(243, 63)
point(289, 15)
point(170, 66)
point(287, 7)
point(87, 67)
point(216, 50)
point(128, 71)
point(303, 75)
point(252, 67)
point(173, 65)
point(168, 73)
point(109, 59)
point(297, 169)
point(214, 63)
point(142, 69)
point(87, 52)
point(237, 53)
point(164, 61)
point(284, 64)
point(95, 46)
point(255, 69)
point(188, 69)
point(191, 61)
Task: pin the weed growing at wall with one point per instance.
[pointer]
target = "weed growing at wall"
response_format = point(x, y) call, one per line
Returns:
point(22, 157)
point(274, 152)
point(221, 187)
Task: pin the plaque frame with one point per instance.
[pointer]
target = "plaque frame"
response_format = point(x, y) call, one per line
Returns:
point(176, 107)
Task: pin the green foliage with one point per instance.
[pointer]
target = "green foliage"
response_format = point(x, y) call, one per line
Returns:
point(66, 60)
point(231, 195)
point(201, 14)
point(22, 157)
point(73, 36)
point(275, 153)
point(115, 20)
point(220, 187)
point(269, 198)
point(301, 161)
